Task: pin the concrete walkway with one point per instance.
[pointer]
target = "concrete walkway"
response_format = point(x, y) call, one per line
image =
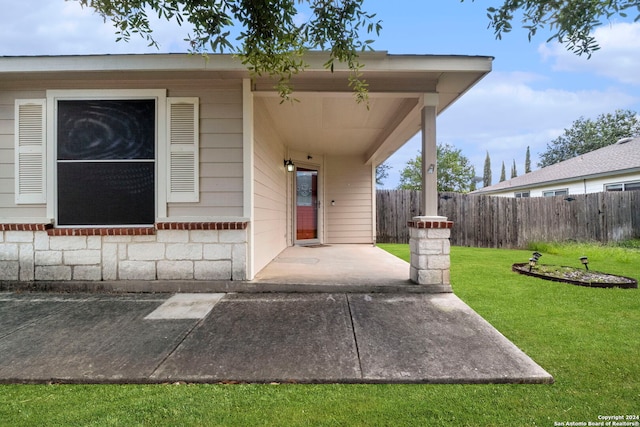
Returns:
point(260, 337)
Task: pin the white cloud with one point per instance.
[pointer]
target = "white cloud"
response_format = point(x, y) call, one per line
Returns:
point(508, 111)
point(617, 58)
point(506, 104)
point(65, 28)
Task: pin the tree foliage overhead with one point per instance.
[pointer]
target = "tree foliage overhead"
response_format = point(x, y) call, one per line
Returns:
point(271, 40)
point(455, 172)
point(586, 135)
point(570, 22)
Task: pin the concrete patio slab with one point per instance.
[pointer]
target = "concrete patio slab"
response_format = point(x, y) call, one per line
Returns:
point(84, 339)
point(345, 266)
point(434, 338)
point(267, 338)
point(303, 337)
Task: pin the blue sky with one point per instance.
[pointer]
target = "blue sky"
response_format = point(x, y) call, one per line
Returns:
point(534, 91)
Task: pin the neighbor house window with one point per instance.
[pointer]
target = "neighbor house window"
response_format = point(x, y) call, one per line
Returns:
point(550, 193)
point(623, 186)
point(522, 194)
point(106, 161)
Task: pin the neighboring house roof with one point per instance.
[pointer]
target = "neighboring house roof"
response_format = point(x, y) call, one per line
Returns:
point(621, 157)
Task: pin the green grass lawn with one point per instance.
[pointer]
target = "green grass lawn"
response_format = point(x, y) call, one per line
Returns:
point(587, 338)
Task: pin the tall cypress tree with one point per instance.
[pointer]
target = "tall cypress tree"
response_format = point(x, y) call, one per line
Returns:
point(473, 185)
point(514, 171)
point(527, 161)
point(486, 177)
point(503, 174)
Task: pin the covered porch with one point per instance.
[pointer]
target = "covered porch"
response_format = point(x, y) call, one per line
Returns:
point(315, 158)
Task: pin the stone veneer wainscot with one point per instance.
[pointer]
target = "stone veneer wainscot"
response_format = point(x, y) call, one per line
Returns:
point(166, 251)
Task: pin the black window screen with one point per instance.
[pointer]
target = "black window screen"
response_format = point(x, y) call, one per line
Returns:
point(106, 162)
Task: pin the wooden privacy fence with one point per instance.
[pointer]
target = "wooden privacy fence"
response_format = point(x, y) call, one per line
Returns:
point(506, 222)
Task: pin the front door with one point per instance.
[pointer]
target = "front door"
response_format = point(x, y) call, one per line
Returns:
point(307, 206)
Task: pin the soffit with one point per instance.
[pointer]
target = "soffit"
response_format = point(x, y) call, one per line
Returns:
point(335, 125)
point(324, 118)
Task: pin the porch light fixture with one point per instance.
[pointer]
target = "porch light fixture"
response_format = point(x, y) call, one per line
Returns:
point(585, 261)
point(432, 167)
point(289, 165)
point(532, 263)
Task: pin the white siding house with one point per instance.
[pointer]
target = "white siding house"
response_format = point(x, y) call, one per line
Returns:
point(612, 168)
point(173, 167)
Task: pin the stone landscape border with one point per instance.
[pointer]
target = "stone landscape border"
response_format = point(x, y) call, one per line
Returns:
point(521, 268)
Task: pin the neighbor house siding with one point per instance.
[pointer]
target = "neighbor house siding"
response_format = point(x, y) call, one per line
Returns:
point(270, 189)
point(597, 185)
point(592, 185)
point(349, 184)
point(221, 185)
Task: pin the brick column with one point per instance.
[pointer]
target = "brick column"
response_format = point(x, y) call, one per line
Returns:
point(430, 248)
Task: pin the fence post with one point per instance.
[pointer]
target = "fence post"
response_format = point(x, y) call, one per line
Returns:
point(430, 249)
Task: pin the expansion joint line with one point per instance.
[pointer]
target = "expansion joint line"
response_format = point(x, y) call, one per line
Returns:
point(355, 337)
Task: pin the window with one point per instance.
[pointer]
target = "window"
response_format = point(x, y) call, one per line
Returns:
point(522, 194)
point(106, 157)
point(551, 193)
point(623, 186)
point(105, 162)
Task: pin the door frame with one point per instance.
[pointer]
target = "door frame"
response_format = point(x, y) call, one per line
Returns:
point(319, 209)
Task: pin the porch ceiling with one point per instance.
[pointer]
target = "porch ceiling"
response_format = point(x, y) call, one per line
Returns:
point(331, 124)
point(325, 119)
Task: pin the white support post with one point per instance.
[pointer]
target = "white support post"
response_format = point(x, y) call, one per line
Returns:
point(429, 233)
point(429, 162)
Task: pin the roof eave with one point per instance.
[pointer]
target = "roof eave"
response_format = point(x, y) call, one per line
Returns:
point(374, 61)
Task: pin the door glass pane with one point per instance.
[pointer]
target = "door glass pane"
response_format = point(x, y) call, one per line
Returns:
point(306, 204)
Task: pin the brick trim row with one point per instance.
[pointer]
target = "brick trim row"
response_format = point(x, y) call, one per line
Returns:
point(25, 227)
point(241, 225)
point(430, 224)
point(125, 231)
